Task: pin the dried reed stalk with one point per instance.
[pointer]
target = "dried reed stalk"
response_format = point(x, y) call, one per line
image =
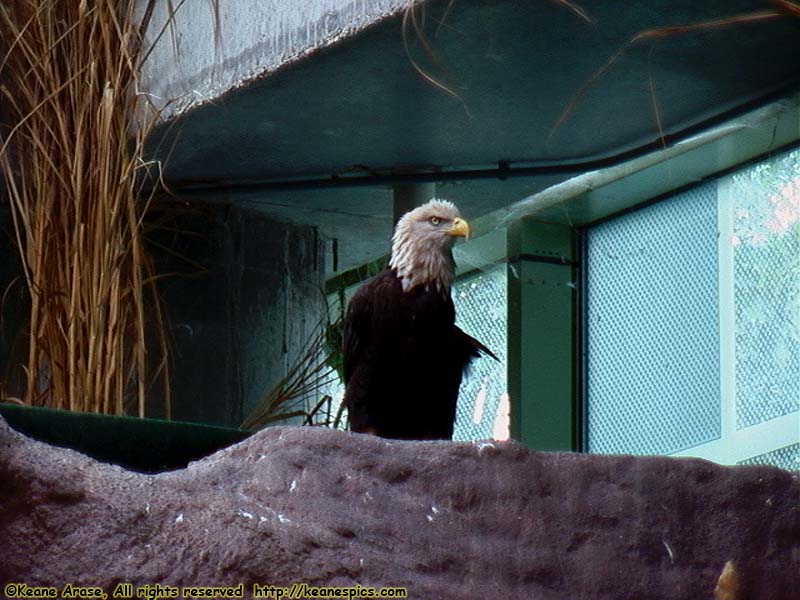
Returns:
point(70, 162)
point(784, 8)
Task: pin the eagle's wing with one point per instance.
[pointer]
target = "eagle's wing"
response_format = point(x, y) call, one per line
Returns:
point(355, 336)
point(377, 301)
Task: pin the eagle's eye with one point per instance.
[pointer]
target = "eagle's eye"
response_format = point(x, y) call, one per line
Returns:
point(435, 220)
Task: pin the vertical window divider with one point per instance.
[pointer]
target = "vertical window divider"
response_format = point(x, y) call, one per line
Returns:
point(727, 309)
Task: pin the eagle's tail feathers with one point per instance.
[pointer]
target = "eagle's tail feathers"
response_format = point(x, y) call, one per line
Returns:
point(475, 347)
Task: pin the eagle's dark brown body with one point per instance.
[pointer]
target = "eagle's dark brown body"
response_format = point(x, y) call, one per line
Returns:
point(404, 359)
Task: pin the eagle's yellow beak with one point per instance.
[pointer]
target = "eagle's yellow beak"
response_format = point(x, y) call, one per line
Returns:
point(460, 228)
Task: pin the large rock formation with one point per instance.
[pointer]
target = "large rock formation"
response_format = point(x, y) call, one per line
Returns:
point(445, 520)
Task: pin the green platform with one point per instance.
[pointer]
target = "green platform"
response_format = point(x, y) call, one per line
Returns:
point(146, 445)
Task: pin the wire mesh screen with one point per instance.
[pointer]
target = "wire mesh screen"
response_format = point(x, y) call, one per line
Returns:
point(767, 289)
point(652, 327)
point(481, 309)
point(786, 458)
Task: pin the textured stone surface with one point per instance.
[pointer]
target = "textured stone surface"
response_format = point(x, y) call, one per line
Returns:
point(236, 325)
point(447, 520)
point(255, 38)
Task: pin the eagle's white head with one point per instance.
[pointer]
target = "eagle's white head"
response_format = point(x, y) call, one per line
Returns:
point(422, 245)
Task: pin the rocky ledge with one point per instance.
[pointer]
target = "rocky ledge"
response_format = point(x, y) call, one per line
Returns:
point(444, 520)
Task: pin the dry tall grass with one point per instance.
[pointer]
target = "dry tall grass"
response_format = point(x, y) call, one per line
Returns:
point(70, 161)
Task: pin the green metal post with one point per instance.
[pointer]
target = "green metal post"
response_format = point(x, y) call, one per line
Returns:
point(408, 196)
point(543, 336)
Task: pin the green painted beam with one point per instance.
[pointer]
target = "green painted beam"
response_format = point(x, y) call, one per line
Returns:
point(596, 195)
point(542, 336)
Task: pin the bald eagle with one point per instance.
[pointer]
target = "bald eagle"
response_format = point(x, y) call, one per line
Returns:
point(404, 357)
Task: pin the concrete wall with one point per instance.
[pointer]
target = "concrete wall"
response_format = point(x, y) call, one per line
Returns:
point(253, 38)
point(242, 294)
